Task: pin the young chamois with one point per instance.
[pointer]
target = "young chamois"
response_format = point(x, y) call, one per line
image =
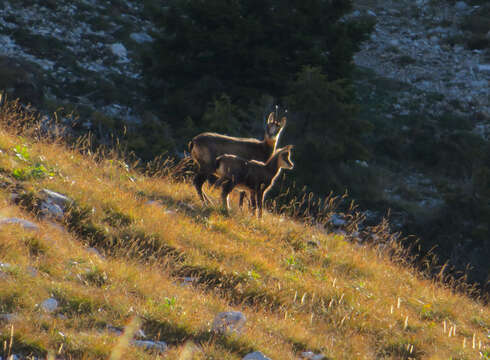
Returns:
point(206, 147)
point(253, 176)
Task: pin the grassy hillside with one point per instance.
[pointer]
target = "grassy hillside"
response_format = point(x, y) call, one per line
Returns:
point(137, 252)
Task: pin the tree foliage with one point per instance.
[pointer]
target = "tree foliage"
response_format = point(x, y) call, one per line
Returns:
point(216, 59)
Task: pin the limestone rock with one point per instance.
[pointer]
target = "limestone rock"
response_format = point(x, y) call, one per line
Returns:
point(256, 355)
point(228, 322)
point(49, 305)
point(310, 355)
point(461, 6)
point(159, 346)
point(56, 198)
point(27, 225)
point(9, 318)
point(141, 38)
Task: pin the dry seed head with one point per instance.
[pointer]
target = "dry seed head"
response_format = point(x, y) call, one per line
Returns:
point(303, 298)
point(405, 325)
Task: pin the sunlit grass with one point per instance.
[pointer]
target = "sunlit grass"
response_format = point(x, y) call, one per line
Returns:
point(300, 288)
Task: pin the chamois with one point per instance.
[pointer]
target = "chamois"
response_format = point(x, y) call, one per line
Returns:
point(206, 147)
point(254, 176)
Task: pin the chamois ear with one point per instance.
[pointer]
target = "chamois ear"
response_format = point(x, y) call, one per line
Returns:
point(270, 119)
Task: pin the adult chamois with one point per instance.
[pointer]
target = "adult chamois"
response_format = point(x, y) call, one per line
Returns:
point(206, 147)
point(256, 177)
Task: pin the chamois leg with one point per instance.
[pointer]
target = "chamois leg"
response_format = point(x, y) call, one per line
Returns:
point(253, 203)
point(242, 196)
point(260, 200)
point(251, 200)
point(226, 189)
point(199, 180)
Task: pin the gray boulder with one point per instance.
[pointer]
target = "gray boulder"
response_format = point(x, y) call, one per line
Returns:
point(9, 318)
point(256, 355)
point(54, 204)
point(461, 6)
point(27, 225)
point(310, 355)
point(49, 305)
point(141, 38)
point(160, 346)
point(229, 322)
point(56, 198)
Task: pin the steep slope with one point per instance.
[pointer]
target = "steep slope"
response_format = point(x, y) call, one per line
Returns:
point(124, 252)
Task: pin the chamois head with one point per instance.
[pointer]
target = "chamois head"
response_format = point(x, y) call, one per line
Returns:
point(284, 157)
point(274, 126)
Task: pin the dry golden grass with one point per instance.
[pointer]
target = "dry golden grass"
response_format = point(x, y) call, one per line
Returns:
point(338, 298)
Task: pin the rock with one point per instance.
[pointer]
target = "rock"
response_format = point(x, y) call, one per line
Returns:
point(154, 203)
point(189, 280)
point(461, 6)
point(394, 42)
point(256, 355)
point(228, 322)
point(160, 346)
point(310, 355)
point(9, 318)
point(56, 198)
point(371, 13)
point(337, 220)
point(118, 331)
point(5, 265)
point(92, 250)
point(119, 50)
point(140, 334)
point(52, 210)
point(484, 67)
point(49, 305)
point(141, 38)
point(27, 225)
point(54, 204)
point(32, 271)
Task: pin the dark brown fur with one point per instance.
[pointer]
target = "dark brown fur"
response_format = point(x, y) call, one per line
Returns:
point(254, 176)
point(206, 147)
